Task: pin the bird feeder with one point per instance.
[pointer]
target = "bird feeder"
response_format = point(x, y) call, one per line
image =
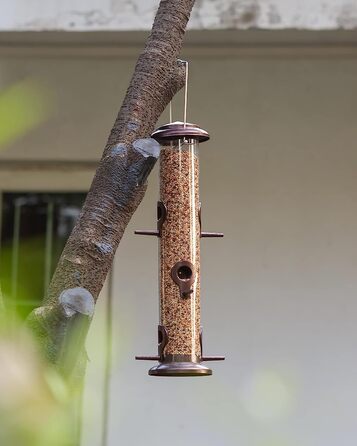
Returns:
point(179, 232)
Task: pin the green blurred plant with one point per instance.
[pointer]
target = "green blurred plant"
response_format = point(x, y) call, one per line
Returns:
point(23, 106)
point(30, 269)
point(36, 403)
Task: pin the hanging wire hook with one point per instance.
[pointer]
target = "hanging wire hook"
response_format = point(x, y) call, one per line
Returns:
point(186, 96)
point(185, 100)
point(170, 111)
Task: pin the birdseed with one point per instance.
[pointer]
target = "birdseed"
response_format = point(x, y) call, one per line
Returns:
point(180, 241)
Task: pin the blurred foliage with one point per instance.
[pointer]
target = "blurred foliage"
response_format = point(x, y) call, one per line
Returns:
point(36, 404)
point(23, 106)
point(39, 403)
point(34, 229)
point(31, 271)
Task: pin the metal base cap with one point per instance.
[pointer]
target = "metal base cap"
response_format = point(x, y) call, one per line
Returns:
point(180, 369)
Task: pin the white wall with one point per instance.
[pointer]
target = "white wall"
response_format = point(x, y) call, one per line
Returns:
point(279, 291)
point(120, 15)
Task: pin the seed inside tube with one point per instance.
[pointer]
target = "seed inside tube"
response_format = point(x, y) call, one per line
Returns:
point(180, 241)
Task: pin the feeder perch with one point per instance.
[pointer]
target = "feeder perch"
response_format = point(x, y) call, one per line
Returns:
point(179, 232)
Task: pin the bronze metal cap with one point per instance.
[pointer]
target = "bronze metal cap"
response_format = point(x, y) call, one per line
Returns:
point(177, 130)
point(180, 369)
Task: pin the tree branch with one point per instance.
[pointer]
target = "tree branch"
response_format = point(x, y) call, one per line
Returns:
point(117, 189)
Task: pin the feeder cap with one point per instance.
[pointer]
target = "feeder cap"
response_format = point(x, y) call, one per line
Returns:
point(178, 130)
point(180, 369)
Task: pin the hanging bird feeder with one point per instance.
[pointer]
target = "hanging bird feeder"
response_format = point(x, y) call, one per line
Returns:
point(179, 232)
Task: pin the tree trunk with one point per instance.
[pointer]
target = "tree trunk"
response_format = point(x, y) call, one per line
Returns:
point(118, 187)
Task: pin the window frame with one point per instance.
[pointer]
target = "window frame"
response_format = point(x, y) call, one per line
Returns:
point(45, 176)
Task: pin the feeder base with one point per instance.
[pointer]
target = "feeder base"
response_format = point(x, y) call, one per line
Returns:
point(180, 369)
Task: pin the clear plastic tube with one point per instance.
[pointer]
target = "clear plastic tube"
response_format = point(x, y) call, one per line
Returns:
point(180, 249)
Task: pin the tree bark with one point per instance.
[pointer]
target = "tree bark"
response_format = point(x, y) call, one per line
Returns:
point(117, 189)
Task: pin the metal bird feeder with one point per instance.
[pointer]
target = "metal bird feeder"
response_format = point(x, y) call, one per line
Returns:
point(179, 232)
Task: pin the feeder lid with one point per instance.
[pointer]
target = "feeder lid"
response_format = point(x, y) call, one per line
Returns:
point(178, 130)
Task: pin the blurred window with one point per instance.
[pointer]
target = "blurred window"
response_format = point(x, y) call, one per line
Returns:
point(34, 230)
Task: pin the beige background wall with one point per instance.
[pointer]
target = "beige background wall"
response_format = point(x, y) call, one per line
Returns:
point(279, 291)
point(120, 15)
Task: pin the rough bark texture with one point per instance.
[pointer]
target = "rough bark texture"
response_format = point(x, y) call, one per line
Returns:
point(117, 189)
